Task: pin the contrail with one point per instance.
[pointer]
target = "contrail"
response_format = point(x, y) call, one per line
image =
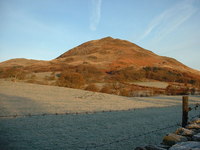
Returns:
point(96, 14)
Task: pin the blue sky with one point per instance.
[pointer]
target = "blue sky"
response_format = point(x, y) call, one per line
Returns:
point(44, 29)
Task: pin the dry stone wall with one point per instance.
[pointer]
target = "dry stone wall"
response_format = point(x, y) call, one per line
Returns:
point(187, 138)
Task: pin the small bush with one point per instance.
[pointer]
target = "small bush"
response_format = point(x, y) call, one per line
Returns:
point(116, 86)
point(89, 72)
point(177, 90)
point(124, 92)
point(15, 73)
point(92, 87)
point(106, 89)
point(50, 78)
point(127, 74)
point(71, 80)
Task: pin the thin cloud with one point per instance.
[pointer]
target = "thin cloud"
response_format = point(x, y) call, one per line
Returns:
point(169, 20)
point(96, 14)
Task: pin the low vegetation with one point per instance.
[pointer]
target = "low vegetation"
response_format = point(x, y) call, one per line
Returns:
point(126, 75)
point(169, 75)
point(106, 89)
point(71, 80)
point(90, 73)
point(118, 82)
point(124, 64)
point(180, 90)
point(14, 73)
point(92, 87)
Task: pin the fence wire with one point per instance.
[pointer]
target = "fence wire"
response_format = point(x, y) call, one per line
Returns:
point(195, 107)
point(65, 113)
point(143, 134)
point(128, 138)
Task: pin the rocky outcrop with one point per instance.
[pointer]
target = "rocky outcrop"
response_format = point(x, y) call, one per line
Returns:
point(196, 137)
point(172, 139)
point(190, 145)
point(150, 147)
point(184, 132)
point(193, 126)
point(182, 139)
point(195, 120)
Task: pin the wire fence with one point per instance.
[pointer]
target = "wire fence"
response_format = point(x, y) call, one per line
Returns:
point(65, 113)
point(178, 124)
point(128, 138)
point(194, 107)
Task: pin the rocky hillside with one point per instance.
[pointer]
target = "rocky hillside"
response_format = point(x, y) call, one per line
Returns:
point(113, 64)
point(112, 54)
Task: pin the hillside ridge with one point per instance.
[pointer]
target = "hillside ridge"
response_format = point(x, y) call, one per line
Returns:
point(108, 65)
point(111, 54)
point(107, 54)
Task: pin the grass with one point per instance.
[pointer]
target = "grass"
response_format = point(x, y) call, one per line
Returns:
point(156, 84)
point(80, 130)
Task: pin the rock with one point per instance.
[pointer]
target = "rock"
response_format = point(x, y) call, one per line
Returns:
point(193, 126)
point(140, 148)
point(195, 120)
point(154, 147)
point(184, 132)
point(164, 146)
point(190, 145)
point(197, 131)
point(172, 139)
point(196, 137)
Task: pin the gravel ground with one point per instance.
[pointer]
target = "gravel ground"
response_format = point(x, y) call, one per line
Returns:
point(81, 131)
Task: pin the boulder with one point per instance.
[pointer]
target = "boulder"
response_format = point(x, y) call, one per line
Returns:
point(193, 126)
point(172, 139)
point(154, 147)
point(196, 137)
point(164, 146)
point(197, 131)
point(190, 145)
point(195, 120)
point(184, 132)
point(140, 148)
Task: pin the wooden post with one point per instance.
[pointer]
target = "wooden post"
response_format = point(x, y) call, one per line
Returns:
point(185, 110)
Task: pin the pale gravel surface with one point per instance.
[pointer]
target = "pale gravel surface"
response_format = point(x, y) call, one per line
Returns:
point(76, 132)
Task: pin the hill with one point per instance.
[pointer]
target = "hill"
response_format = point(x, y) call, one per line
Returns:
point(110, 53)
point(107, 65)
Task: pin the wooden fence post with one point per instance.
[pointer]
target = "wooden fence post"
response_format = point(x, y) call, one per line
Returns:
point(185, 110)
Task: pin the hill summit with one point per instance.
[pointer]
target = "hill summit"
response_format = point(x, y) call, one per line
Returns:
point(111, 54)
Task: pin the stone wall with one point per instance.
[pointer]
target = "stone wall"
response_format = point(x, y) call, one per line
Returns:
point(187, 138)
